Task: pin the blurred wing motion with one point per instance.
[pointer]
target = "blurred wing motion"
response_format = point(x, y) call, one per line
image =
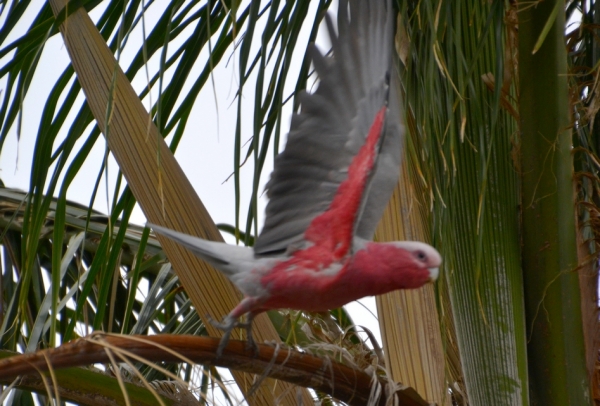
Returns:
point(329, 187)
point(332, 127)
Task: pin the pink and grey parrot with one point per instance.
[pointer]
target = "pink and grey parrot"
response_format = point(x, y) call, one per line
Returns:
point(329, 187)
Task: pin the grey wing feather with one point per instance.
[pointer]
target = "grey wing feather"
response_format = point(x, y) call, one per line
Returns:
point(332, 126)
point(387, 167)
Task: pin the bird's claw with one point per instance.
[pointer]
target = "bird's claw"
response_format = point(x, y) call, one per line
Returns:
point(251, 344)
point(227, 326)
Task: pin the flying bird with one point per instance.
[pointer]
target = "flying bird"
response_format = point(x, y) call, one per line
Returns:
point(329, 187)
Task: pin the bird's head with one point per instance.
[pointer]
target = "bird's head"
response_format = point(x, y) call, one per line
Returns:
point(396, 265)
point(424, 256)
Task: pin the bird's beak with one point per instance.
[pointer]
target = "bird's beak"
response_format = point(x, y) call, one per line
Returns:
point(433, 274)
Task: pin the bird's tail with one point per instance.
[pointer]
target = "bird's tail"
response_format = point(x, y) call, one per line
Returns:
point(218, 254)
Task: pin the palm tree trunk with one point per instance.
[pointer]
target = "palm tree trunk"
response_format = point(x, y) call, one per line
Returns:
point(552, 295)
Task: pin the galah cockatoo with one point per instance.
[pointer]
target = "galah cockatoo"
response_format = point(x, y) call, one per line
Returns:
point(329, 187)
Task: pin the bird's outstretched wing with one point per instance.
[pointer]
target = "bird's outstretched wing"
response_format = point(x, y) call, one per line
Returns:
point(355, 84)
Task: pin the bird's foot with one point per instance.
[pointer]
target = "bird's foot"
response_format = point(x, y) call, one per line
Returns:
point(227, 326)
point(250, 343)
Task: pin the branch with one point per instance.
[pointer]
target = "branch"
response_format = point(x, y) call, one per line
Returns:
point(345, 383)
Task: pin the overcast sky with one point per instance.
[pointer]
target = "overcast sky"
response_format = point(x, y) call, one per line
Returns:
point(206, 147)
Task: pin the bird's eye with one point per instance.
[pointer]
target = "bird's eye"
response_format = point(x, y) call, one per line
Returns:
point(421, 255)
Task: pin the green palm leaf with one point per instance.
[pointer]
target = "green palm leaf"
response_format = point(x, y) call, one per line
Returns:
point(470, 102)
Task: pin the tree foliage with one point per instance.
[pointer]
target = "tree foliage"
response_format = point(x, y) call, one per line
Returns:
point(501, 175)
